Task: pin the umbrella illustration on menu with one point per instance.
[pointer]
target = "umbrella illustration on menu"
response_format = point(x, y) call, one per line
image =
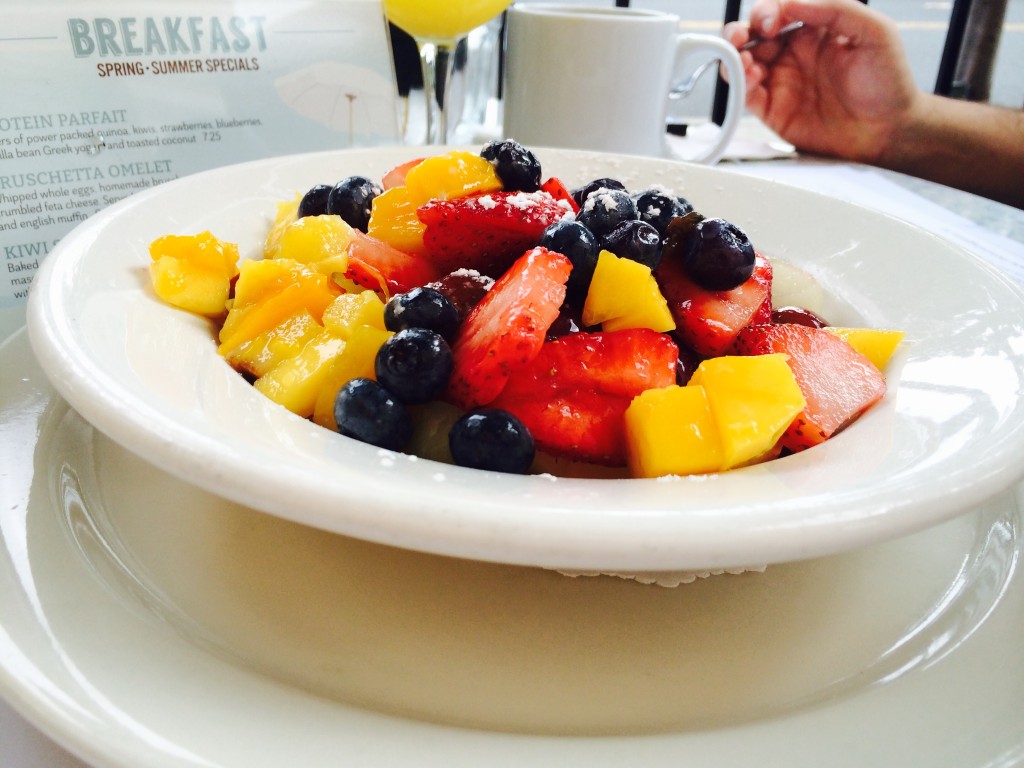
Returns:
point(344, 97)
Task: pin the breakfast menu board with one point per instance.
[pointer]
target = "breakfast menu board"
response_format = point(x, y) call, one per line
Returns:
point(100, 100)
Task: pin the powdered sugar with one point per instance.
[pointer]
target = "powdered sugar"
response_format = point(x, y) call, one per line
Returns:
point(603, 197)
point(661, 189)
point(523, 202)
point(467, 272)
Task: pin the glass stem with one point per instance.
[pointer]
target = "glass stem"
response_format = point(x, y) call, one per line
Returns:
point(437, 61)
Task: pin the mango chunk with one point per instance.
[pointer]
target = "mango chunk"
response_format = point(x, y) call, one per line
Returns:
point(875, 344)
point(624, 294)
point(296, 382)
point(753, 399)
point(454, 174)
point(670, 431)
point(393, 217)
point(270, 348)
point(350, 310)
point(356, 361)
point(259, 279)
point(194, 272)
point(393, 220)
point(268, 293)
point(194, 290)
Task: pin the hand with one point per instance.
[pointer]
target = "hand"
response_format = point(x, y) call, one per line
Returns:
point(841, 86)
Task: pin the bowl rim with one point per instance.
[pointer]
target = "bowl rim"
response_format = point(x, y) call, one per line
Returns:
point(90, 320)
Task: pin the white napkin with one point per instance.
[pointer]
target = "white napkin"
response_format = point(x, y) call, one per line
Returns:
point(752, 141)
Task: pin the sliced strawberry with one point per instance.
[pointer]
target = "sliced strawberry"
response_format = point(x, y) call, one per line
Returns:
point(838, 382)
point(708, 321)
point(376, 265)
point(764, 312)
point(573, 394)
point(558, 190)
point(581, 426)
point(486, 232)
point(396, 176)
point(506, 329)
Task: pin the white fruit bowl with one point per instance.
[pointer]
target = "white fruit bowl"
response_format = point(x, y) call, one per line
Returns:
point(949, 433)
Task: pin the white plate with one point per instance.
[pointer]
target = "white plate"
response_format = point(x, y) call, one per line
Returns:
point(949, 434)
point(148, 623)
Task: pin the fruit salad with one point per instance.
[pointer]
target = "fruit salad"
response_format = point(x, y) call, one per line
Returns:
point(469, 309)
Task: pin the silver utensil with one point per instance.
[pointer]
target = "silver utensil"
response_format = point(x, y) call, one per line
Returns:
point(791, 27)
point(683, 89)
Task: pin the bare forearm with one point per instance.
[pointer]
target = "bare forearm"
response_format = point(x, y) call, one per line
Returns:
point(974, 147)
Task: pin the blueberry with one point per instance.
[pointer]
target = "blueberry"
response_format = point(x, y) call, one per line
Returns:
point(580, 194)
point(516, 166)
point(490, 438)
point(352, 199)
point(314, 202)
point(718, 255)
point(658, 206)
point(605, 209)
point(566, 323)
point(636, 240)
point(366, 411)
point(414, 364)
point(576, 242)
point(422, 308)
point(686, 364)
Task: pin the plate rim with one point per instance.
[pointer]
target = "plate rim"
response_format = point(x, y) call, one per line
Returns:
point(44, 701)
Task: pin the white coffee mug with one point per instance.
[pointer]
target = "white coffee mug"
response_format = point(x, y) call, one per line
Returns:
point(599, 78)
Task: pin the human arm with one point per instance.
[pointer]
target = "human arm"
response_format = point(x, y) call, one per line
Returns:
point(842, 87)
point(970, 146)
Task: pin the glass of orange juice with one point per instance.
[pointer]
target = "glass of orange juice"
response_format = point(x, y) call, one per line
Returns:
point(438, 26)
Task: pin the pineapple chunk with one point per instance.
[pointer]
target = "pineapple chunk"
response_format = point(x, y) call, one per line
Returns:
point(876, 345)
point(624, 294)
point(354, 309)
point(287, 212)
point(670, 431)
point(357, 360)
point(194, 272)
point(319, 241)
point(753, 399)
point(266, 350)
point(296, 382)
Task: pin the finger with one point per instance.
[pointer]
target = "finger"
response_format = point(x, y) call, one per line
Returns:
point(757, 101)
point(754, 76)
point(764, 18)
point(737, 33)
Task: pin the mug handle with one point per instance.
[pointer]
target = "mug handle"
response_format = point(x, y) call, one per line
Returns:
point(725, 52)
